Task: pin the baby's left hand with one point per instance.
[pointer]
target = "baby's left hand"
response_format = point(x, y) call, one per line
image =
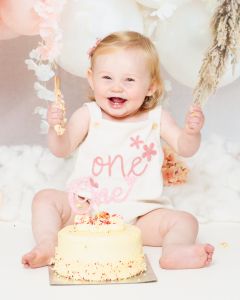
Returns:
point(194, 120)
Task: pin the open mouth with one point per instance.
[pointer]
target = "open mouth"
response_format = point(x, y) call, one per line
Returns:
point(117, 100)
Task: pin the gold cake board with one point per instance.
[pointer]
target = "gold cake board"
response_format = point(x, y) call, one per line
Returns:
point(148, 276)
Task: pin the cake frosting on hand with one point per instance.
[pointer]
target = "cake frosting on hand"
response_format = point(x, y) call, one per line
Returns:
point(99, 248)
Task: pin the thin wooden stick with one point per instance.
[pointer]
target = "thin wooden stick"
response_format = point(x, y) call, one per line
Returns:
point(59, 128)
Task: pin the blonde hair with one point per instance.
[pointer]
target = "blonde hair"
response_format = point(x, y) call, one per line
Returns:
point(134, 40)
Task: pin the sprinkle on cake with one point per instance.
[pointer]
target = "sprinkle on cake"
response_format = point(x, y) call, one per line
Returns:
point(99, 248)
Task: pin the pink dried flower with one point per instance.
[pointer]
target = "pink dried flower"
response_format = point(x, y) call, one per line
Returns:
point(174, 171)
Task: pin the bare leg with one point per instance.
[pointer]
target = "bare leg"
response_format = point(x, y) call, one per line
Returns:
point(176, 232)
point(50, 212)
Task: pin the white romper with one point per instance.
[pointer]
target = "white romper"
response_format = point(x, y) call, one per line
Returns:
point(118, 166)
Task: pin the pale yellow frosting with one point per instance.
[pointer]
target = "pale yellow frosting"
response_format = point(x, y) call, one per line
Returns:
point(99, 252)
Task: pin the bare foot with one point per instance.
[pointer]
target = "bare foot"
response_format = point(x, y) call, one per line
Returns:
point(186, 256)
point(39, 256)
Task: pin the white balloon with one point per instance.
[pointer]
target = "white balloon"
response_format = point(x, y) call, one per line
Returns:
point(211, 5)
point(84, 21)
point(182, 42)
point(158, 3)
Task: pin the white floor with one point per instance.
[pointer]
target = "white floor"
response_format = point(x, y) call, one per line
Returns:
point(220, 281)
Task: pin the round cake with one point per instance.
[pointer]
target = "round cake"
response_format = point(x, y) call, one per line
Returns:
point(99, 248)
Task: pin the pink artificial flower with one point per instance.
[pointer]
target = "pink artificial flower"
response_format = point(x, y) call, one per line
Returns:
point(46, 31)
point(48, 51)
point(45, 8)
point(174, 171)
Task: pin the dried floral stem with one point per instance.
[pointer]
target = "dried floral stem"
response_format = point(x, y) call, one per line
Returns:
point(59, 128)
point(225, 48)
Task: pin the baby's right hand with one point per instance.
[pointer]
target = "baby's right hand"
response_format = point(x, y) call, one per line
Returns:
point(55, 115)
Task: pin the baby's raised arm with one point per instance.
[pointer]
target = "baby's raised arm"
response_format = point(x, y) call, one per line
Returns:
point(184, 141)
point(76, 130)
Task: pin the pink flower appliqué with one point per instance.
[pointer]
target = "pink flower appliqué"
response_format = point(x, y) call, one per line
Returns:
point(149, 151)
point(136, 142)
